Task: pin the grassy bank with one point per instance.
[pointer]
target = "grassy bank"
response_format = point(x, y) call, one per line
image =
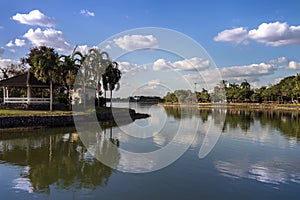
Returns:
point(37, 118)
point(14, 112)
point(11, 112)
point(269, 106)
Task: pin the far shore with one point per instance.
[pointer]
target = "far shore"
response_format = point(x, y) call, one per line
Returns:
point(254, 106)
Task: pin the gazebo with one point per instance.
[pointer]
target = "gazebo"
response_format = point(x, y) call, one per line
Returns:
point(26, 81)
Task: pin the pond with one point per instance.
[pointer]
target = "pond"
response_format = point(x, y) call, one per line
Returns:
point(253, 155)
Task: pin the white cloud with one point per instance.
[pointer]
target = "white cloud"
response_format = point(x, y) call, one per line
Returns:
point(279, 60)
point(151, 88)
point(49, 37)
point(83, 49)
point(153, 84)
point(191, 64)
point(34, 17)
point(273, 34)
point(252, 73)
point(17, 42)
point(294, 65)
point(87, 13)
point(276, 34)
point(10, 44)
point(252, 70)
point(130, 68)
point(134, 42)
point(5, 62)
point(108, 47)
point(236, 35)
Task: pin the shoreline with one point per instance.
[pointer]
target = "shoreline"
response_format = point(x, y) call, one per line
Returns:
point(14, 122)
point(253, 106)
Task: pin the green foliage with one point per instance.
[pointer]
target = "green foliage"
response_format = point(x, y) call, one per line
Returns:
point(171, 98)
point(44, 63)
point(286, 91)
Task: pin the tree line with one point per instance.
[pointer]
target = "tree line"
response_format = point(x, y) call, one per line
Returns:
point(60, 71)
point(286, 91)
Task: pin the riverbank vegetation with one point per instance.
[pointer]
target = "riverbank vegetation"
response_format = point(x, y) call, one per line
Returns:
point(287, 91)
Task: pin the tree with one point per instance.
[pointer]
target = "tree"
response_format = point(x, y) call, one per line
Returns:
point(171, 98)
point(68, 67)
point(111, 78)
point(245, 91)
point(232, 92)
point(99, 60)
point(44, 64)
point(203, 96)
point(296, 88)
point(257, 96)
point(13, 69)
point(219, 93)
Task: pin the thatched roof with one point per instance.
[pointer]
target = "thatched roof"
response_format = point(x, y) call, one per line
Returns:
point(23, 80)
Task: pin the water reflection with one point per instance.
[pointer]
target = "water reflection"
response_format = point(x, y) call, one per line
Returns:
point(262, 143)
point(260, 146)
point(271, 172)
point(287, 123)
point(59, 160)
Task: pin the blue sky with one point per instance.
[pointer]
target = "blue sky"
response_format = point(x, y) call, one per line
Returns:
point(254, 40)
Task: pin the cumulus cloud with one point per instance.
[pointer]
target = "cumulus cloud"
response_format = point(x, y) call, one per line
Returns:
point(134, 42)
point(153, 84)
point(272, 34)
point(191, 64)
point(252, 73)
point(276, 34)
point(5, 62)
point(237, 35)
point(294, 65)
point(83, 49)
point(130, 68)
point(49, 37)
point(87, 13)
point(34, 17)
point(246, 71)
point(10, 44)
point(279, 60)
point(17, 42)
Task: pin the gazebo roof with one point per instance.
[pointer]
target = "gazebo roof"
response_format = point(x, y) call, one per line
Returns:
point(23, 80)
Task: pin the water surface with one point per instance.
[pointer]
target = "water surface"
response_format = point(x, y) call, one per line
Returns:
point(257, 156)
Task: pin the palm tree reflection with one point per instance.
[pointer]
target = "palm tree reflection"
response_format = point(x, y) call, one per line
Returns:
point(60, 160)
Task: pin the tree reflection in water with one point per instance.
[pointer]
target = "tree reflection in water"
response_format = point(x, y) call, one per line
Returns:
point(287, 122)
point(60, 160)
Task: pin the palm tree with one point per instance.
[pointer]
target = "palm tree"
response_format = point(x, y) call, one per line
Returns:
point(69, 66)
point(99, 62)
point(44, 64)
point(111, 78)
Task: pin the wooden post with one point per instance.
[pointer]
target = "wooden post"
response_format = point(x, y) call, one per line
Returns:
point(4, 91)
point(51, 95)
point(28, 95)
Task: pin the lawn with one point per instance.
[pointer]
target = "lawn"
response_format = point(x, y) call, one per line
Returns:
point(11, 112)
